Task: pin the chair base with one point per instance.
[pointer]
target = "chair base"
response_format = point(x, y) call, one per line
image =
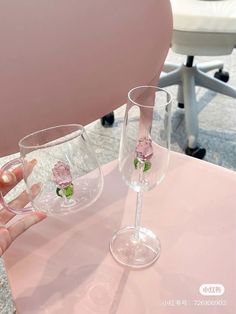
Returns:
point(198, 152)
point(187, 77)
point(108, 120)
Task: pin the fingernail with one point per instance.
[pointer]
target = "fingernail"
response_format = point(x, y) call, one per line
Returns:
point(36, 188)
point(7, 177)
point(41, 215)
point(33, 162)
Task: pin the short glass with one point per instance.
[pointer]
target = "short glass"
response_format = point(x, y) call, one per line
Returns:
point(66, 176)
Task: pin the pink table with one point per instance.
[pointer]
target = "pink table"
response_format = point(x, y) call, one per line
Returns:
point(63, 265)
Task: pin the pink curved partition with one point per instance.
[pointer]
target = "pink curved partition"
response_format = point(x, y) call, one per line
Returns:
point(71, 61)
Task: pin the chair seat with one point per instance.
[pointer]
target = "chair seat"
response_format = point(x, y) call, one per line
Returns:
point(204, 27)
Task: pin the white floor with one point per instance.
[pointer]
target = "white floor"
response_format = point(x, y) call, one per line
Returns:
point(217, 122)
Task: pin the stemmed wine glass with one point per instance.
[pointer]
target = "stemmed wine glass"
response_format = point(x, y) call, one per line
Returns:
point(143, 162)
point(66, 176)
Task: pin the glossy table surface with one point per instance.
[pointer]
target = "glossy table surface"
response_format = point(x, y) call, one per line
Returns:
point(63, 265)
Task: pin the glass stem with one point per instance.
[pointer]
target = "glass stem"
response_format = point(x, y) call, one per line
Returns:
point(139, 202)
point(138, 213)
point(65, 199)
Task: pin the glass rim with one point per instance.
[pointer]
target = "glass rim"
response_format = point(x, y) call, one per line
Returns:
point(25, 146)
point(150, 86)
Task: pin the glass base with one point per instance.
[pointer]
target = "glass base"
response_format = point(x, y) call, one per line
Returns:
point(60, 206)
point(136, 248)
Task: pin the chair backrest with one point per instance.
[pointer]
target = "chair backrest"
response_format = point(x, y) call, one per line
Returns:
point(74, 61)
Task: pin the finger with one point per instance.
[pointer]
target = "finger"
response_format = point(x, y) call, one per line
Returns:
point(5, 239)
point(19, 202)
point(23, 199)
point(25, 223)
point(9, 179)
point(5, 216)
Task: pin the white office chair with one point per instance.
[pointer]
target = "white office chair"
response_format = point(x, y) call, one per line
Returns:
point(201, 28)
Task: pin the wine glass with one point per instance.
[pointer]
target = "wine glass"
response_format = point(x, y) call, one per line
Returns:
point(143, 162)
point(66, 176)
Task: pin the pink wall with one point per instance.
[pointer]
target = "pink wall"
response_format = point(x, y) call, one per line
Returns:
point(72, 61)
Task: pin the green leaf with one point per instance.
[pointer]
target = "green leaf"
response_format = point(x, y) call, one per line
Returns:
point(136, 163)
point(58, 191)
point(147, 165)
point(68, 191)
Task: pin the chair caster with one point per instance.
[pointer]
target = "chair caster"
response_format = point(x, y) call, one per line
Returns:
point(108, 120)
point(222, 75)
point(181, 105)
point(197, 152)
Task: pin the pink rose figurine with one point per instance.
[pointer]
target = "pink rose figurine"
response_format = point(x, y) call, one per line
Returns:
point(63, 180)
point(144, 152)
point(144, 149)
point(61, 175)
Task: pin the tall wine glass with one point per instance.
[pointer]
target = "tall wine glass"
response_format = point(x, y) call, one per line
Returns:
point(143, 162)
point(66, 176)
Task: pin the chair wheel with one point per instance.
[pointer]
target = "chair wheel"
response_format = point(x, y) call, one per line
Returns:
point(108, 120)
point(197, 152)
point(180, 105)
point(222, 76)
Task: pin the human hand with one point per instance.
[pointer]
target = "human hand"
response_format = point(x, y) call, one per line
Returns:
point(8, 180)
